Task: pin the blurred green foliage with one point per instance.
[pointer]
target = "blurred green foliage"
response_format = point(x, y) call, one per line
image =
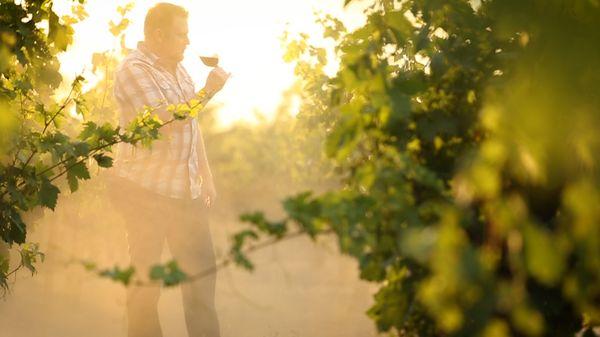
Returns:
point(465, 137)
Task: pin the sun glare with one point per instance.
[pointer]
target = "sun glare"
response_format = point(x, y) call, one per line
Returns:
point(245, 35)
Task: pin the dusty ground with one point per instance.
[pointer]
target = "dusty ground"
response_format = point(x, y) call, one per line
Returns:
point(299, 288)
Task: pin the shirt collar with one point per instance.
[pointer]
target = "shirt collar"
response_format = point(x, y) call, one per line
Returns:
point(141, 46)
point(152, 57)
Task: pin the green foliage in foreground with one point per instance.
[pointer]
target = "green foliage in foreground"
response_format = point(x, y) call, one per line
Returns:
point(167, 275)
point(466, 137)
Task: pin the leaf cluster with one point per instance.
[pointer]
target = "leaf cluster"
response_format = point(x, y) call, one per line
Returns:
point(468, 182)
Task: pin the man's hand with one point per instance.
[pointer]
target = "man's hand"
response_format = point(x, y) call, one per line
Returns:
point(209, 193)
point(216, 80)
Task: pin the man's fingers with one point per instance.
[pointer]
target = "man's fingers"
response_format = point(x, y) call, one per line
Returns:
point(222, 73)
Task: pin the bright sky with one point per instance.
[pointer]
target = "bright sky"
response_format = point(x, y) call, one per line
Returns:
point(245, 34)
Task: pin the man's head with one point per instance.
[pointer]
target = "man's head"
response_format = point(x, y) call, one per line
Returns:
point(166, 30)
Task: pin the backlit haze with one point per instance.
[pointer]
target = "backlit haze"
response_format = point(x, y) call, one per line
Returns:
point(244, 34)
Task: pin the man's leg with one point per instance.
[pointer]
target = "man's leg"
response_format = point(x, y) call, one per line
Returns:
point(191, 244)
point(146, 230)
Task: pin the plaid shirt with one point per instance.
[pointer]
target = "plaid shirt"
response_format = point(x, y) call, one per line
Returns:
point(171, 166)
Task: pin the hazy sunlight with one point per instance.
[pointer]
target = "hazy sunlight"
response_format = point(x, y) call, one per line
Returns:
point(245, 35)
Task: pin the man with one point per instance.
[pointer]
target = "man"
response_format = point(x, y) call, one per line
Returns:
point(164, 192)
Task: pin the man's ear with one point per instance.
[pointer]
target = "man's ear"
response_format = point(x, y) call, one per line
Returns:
point(158, 35)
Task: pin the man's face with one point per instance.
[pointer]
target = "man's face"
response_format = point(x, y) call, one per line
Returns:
point(175, 40)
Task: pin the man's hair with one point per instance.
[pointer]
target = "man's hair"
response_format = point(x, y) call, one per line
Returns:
point(162, 15)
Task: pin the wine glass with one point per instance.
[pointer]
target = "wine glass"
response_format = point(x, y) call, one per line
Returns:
point(210, 61)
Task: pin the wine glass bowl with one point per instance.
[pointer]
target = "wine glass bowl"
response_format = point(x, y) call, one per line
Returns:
point(210, 61)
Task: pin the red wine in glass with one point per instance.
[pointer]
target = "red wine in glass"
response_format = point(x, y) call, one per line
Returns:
point(210, 61)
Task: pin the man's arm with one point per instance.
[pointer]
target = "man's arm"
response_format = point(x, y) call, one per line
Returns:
point(201, 152)
point(214, 83)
